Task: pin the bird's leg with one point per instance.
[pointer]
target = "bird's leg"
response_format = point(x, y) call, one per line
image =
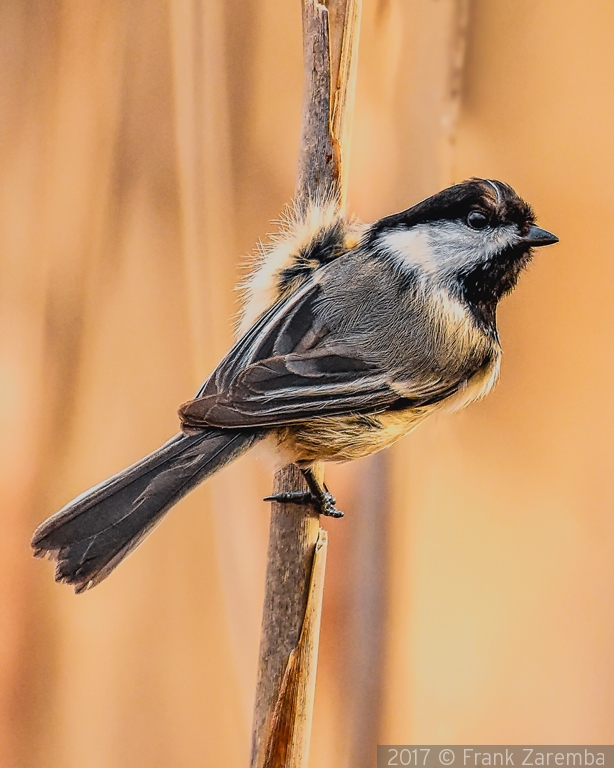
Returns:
point(323, 498)
point(318, 495)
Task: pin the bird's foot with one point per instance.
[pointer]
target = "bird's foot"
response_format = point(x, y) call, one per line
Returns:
point(324, 503)
point(327, 505)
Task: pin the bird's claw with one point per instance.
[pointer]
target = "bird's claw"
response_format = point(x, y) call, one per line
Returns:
point(327, 506)
point(324, 505)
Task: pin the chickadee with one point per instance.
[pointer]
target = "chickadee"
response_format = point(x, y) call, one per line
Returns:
point(352, 336)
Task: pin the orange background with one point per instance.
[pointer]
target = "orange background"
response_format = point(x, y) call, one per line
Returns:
point(143, 147)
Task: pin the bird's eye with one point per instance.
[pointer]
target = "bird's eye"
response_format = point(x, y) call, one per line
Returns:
point(477, 220)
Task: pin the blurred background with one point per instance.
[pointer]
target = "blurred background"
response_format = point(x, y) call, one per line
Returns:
point(144, 148)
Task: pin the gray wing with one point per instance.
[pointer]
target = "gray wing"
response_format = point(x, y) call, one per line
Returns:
point(291, 367)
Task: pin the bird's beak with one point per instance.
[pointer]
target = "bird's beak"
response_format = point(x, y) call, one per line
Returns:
point(537, 236)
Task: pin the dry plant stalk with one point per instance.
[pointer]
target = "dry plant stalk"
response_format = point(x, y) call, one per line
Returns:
point(297, 545)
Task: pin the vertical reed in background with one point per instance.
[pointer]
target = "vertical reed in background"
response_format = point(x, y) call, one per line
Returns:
point(209, 234)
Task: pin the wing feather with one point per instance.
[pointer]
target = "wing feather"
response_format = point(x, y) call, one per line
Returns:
point(290, 389)
point(291, 367)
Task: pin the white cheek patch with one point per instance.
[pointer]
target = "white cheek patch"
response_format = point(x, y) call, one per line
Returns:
point(440, 247)
point(412, 248)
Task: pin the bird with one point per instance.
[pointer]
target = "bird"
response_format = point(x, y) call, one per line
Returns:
point(352, 335)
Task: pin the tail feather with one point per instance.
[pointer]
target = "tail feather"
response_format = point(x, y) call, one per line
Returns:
point(92, 534)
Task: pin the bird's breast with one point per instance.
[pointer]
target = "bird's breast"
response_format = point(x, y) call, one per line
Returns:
point(345, 438)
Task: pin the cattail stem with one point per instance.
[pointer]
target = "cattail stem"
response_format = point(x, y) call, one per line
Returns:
point(297, 545)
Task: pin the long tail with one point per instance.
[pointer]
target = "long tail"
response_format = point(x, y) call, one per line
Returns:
point(92, 534)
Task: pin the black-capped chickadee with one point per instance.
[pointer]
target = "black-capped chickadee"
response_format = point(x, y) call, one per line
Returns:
point(352, 335)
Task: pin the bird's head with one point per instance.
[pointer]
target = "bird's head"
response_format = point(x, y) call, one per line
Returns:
point(473, 238)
